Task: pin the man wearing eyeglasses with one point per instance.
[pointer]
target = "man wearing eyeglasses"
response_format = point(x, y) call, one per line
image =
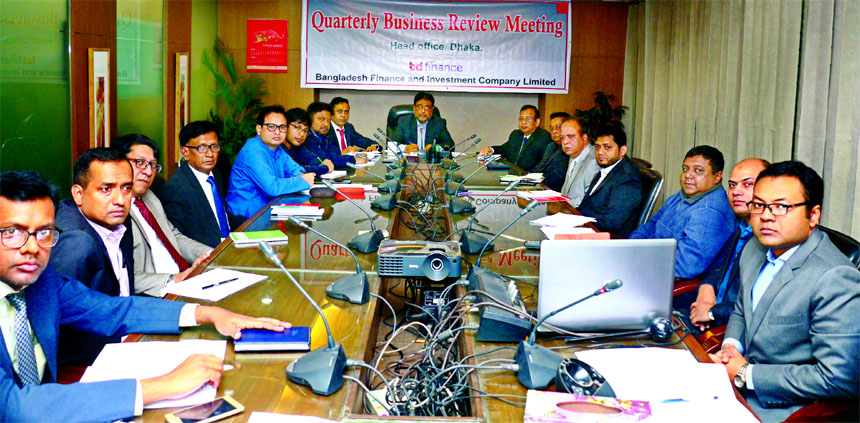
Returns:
point(193, 197)
point(161, 252)
point(794, 334)
point(699, 216)
point(263, 170)
point(298, 122)
point(34, 300)
point(525, 146)
point(420, 130)
point(554, 161)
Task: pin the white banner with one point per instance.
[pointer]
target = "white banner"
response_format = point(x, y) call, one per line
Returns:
point(479, 46)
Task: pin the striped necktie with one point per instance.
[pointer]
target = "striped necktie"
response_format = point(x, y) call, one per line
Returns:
point(150, 219)
point(27, 370)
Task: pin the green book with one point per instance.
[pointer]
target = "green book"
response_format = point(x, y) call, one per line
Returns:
point(250, 239)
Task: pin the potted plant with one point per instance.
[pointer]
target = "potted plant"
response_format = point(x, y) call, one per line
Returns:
point(602, 112)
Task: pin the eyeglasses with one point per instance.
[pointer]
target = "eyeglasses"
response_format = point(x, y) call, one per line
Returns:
point(775, 209)
point(202, 149)
point(301, 129)
point(527, 119)
point(16, 238)
point(142, 164)
point(419, 107)
point(275, 128)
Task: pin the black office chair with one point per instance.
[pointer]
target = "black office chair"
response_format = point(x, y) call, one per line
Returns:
point(397, 112)
point(849, 246)
point(640, 163)
point(652, 183)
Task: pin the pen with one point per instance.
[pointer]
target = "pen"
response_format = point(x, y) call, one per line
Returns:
point(218, 283)
point(320, 160)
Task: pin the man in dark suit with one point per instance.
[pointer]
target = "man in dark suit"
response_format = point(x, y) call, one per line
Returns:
point(526, 145)
point(615, 191)
point(193, 198)
point(718, 291)
point(421, 129)
point(343, 132)
point(553, 162)
point(793, 336)
point(319, 146)
point(35, 300)
point(96, 246)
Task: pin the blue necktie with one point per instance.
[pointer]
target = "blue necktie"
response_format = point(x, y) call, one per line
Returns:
point(219, 208)
point(27, 370)
point(744, 236)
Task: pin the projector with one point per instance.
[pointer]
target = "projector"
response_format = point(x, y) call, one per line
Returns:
point(432, 260)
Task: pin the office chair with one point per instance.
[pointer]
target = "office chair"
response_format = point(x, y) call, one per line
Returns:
point(652, 183)
point(849, 246)
point(397, 112)
point(640, 163)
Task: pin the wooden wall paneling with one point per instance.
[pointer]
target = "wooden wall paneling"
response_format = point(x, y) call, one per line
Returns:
point(177, 35)
point(91, 24)
point(598, 39)
point(283, 88)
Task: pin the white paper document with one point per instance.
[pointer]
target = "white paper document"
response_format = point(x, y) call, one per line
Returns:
point(563, 220)
point(142, 360)
point(261, 417)
point(196, 287)
point(552, 231)
point(334, 174)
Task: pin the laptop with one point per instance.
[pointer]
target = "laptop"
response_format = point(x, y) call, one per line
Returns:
point(573, 269)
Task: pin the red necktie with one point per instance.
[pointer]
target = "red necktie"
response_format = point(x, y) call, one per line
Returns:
point(342, 139)
point(183, 265)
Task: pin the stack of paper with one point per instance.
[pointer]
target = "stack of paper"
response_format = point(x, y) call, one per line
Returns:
point(531, 178)
point(143, 360)
point(564, 226)
point(543, 196)
point(299, 211)
point(334, 174)
point(214, 284)
point(251, 239)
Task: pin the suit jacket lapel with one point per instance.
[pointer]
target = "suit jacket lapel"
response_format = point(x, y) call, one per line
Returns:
point(41, 314)
point(749, 275)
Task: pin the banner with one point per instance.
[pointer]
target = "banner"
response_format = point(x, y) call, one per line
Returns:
point(477, 46)
point(267, 45)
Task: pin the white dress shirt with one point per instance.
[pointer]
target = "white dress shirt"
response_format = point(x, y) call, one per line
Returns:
point(207, 190)
point(603, 172)
point(111, 239)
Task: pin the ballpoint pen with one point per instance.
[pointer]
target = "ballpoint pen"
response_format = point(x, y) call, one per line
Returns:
point(218, 283)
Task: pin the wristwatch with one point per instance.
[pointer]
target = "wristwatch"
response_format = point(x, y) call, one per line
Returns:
point(711, 315)
point(740, 377)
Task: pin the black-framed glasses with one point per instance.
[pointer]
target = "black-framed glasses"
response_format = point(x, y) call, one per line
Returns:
point(202, 149)
point(16, 238)
point(142, 164)
point(775, 209)
point(273, 128)
point(301, 129)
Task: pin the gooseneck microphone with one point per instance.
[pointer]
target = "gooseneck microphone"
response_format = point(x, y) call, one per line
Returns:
point(459, 205)
point(531, 206)
point(451, 163)
point(367, 242)
point(470, 242)
point(353, 288)
point(398, 170)
point(391, 184)
point(321, 369)
point(538, 365)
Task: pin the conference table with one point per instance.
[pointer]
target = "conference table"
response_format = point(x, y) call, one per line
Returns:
point(258, 380)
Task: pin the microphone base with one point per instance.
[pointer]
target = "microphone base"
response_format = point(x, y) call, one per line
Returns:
point(398, 174)
point(451, 188)
point(538, 365)
point(321, 370)
point(451, 176)
point(460, 206)
point(352, 288)
point(367, 242)
point(449, 164)
point(385, 202)
point(390, 186)
point(472, 243)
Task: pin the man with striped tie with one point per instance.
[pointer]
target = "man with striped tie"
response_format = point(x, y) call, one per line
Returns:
point(161, 253)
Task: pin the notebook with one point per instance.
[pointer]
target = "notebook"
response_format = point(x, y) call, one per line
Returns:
point(251, 239)
point(296, 338)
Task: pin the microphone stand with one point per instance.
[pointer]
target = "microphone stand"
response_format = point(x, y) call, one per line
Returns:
point(470, 242)
point(321, 369)
point(392, 146)
point(451, 163)
point(538, 365)
point(353, 288)
point(367, 242)
point(459, 205)
point(389, 185)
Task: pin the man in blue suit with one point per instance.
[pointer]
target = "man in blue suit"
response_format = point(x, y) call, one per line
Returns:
point(35, 300)
point(615, 191)
point(343, 133)
point(421, 129)
point(319, 146)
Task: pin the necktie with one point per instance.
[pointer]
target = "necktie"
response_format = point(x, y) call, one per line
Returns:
point(592, 185)
point(744, 236)
point(523, 144)
point(219, 208)
point(27, 370)
point(150, 219)
point(420, 137)
point(342, 139)
point(568, 181)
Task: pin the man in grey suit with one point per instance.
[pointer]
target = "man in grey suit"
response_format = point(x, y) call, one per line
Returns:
point(582, 164)
point(160, 252)
point(794, 335)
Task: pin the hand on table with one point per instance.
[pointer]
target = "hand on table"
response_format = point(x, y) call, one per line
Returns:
point(231, 324)
point(373, 147)
point(309, 178)
point(350, 149)
point(731, 358)
point(189, 376)
point(411, 148)
point(327, 163)
point(705, 301)
point(486, 151)
point(181, 276)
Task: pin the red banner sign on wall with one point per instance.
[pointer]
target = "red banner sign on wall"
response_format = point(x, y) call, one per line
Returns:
point(267, 45)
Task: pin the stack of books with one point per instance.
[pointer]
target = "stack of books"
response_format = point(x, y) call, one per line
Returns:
point(253, 238)
point(299, 211)
point(529, 179)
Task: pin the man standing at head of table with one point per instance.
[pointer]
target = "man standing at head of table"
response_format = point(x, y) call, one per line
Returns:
point(263, 170)
point(525, 146)
point(419, 130)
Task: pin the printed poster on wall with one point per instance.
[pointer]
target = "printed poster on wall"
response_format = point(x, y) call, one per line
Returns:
point(475, 46)
point(99, 96)
point(267, 45)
